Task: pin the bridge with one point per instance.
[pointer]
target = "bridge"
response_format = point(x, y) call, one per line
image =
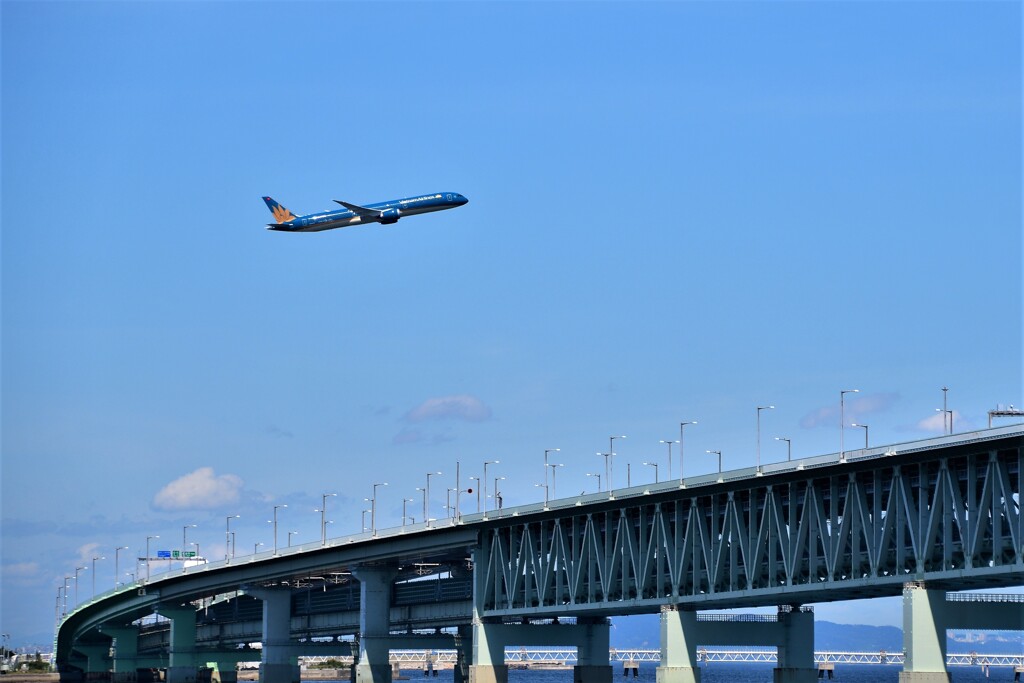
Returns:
point(923, 519)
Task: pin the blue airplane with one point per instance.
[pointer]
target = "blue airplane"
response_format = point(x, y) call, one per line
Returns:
point(384, 213)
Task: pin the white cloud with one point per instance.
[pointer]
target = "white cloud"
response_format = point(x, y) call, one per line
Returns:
point(939, 423)
point(87, 552)
point(201, 489)
point(21, 569)
point(459, 407)
point(856, 408)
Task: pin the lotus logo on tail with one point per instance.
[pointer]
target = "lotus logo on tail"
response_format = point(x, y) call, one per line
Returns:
point(282, 215)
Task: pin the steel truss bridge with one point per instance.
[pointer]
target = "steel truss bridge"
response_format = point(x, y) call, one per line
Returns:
point(943, 511)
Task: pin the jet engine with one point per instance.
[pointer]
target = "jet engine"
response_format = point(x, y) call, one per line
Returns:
point(388, 216)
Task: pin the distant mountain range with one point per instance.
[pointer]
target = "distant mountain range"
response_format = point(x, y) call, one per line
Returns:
point(642, 632)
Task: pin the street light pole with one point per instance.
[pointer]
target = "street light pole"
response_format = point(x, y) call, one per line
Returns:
point(945, 389)
point(283, 505)
point(117, 573)
point(426, 498)
point(323, 517)
point(554, 470)
point(545, 487)
point(404, 501)
point(77, 569)
point(865, 428)
point(373, 508)
point(148, 539)
point(789, 447)
point(546, 451)
point(655, 466)
point(290, 537)
point(669, 444)
point(227, 538)
point(486, 463)
point(94, 574)
point(611, 460)
point(497, 494)
point(477, 480)
point(184, 541)
point(842, 420)
point(595, 474)
point(681, 425)
point(719, 454)
point(759, 409)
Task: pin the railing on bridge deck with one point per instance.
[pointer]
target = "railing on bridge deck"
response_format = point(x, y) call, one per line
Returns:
point(567, 656)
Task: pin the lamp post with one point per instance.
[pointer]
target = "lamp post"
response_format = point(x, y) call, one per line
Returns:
point(789, 447)
point(719, 454)
point(77, 569)
point(759, 409)
point(290, 537)
point(669, 444)
point(184, 541)
point(486, 463)
point(404, 501)
point(545, 487)
point(546, 451)
point(611, 460)
point(607, 479)
point(554, 470)
point(95, 557)
point(148, 539)
point(117, 570)
point(67, 580)
point(373, 508)
point(595, 474)
point(426, 497)
point(477, 480)
point(227, 538)
point(655, 466)
point(945, 391)
point(497, 494)
point(865, 428)
point(323, 517)
point(448, 502)
point(364, 519)
point(276, 508)
point(256, 548)
point(681, 425)
point(842, 420)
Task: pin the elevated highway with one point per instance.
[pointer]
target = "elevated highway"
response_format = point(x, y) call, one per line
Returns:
point(917, 519)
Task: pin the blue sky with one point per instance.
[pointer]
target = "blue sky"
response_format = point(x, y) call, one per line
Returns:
point(678, 211)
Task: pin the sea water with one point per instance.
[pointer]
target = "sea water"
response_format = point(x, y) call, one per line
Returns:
point(722, 672)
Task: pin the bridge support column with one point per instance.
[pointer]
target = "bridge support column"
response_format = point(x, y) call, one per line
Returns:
point(126, 652)
point(593, 665)
point(463, 653)
point(225, 671)
point(796, 648)
point(924, 636)
point(182, 666)
point(374, 664)
point(678, 647)
point(97, 658)
point(277, 664)
point(488, 655)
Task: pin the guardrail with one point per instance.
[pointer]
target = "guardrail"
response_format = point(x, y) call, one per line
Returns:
point(567, 656)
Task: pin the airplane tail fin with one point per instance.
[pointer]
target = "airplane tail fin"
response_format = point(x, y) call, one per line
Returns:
point(281, 214)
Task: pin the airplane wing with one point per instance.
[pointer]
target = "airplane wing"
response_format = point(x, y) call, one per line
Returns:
point(360, 210)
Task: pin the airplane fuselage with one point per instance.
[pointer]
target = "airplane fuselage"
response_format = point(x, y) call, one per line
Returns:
point(382, 212)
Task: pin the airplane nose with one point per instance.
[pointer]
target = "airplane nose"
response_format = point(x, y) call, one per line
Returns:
point(462, 200)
